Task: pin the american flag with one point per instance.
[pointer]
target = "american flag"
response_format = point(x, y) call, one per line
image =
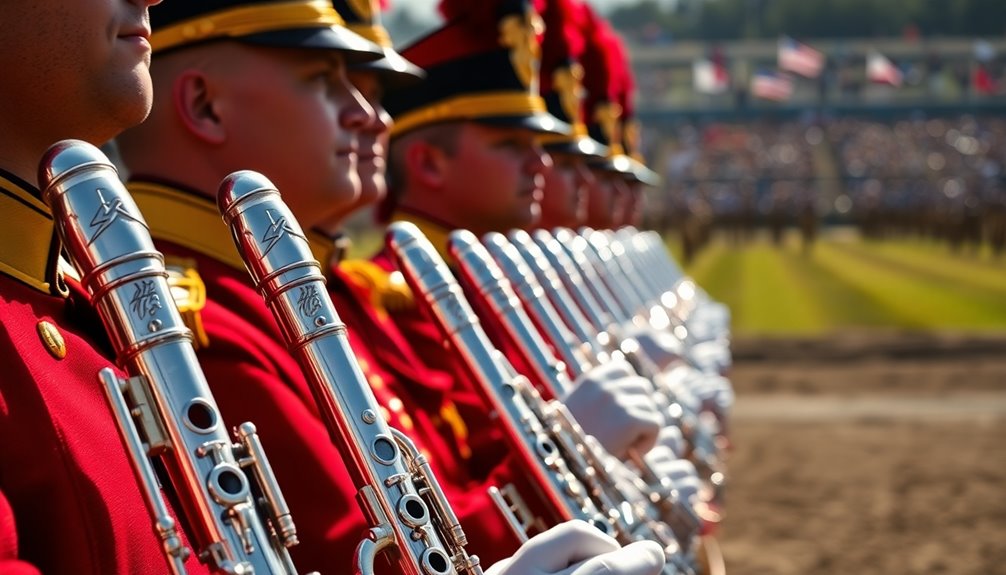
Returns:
point(769, 85)
point(880, 70)
point(799, 58)
point(710, 76)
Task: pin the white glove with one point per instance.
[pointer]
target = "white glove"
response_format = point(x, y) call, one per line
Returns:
point(711, 356)
point(575, 548)
point(671, 438)
point(677, 381)
point(615, 407)
point(662, 348)
point(681, 472)
point(715, 392)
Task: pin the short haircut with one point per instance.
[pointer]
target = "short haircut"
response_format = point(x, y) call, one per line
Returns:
point(444, 136)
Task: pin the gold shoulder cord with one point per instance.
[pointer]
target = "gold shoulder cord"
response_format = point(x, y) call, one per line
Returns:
point(189, 292)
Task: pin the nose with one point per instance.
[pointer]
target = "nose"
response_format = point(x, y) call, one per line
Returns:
point(585, 177)
point(382, 119)
point(538, 160)
point(354, 111)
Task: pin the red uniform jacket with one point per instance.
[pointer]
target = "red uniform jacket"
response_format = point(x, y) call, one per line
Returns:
point(63, 469)
point(254, 378)
point(9, 562)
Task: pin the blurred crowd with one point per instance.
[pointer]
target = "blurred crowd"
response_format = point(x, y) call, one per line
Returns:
point(937, 178)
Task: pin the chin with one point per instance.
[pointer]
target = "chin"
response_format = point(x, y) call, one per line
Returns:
point(130, 102)
point(373, 187)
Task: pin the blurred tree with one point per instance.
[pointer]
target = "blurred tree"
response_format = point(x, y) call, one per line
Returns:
point(731, 19)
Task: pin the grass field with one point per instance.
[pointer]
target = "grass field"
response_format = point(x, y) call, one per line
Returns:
point(845, 283)
point(850, 283)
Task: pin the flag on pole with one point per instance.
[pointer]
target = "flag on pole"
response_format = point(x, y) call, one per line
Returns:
point(769, 85)
point(880, 70)
point(982, 81)
point(799, 58)
point(710, 77)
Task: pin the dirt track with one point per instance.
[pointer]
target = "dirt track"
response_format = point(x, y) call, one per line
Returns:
point(869, 454)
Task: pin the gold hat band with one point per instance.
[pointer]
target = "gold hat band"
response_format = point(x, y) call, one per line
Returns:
point(470, 107)
point(247, 20)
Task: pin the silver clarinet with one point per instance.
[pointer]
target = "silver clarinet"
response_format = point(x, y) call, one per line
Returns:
point(234, 510)
point(660, 493)
point(511, 397)
point(397, 489)
point(701, 445)
point(526, 416)
point(650, 502)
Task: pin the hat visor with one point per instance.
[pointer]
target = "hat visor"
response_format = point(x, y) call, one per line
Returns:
point(620, 164)
point(394, 70)
point(538, 122)
point(577, 146)
point(356, 47)
point(645, 175)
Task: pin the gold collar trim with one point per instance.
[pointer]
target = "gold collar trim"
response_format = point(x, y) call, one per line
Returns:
point(193, 222)
point(28, 245)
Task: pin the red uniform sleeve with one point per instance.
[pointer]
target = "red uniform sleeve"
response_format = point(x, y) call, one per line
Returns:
point(63, 469)
point(9, 564)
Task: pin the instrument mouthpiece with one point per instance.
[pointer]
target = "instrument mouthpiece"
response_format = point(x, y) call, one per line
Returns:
point(67, 157)
point(237, 187)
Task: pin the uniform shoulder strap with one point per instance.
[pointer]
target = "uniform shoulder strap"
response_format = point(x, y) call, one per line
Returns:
point(388, 290)
point(189, 293)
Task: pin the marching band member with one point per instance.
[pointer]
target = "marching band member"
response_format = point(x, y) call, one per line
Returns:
point(567, 184)
point(263, 85)
point(464, 154)
point(72, 70)
point(608, 199)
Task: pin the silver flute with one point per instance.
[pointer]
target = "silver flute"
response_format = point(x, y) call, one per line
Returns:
point(658, 491)
point(523, 409)
point(687, 295)
point(618, 273)
point(236, 514)
point(545, 254)
point(512, 398)
point(657, 289)
point(398, 492)
point(577, 297)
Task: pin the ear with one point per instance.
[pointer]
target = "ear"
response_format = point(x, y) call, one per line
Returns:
point(194, 102)
point(428, 164)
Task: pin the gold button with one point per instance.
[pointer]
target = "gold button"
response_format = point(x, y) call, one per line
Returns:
point(52, 339)
point(376, 381)
point(395, 404)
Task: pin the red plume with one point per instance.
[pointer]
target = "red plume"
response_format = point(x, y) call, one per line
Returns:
point(563, 42)
point(624, 82)
point(597, 71)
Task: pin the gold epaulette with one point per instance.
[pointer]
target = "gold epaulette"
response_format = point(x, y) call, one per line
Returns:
point(388, 291)
point(189, 293)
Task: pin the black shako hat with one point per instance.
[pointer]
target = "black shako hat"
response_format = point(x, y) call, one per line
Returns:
point(363, 17)
point(562, 79)
point(286, 24)
point(481, 66)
